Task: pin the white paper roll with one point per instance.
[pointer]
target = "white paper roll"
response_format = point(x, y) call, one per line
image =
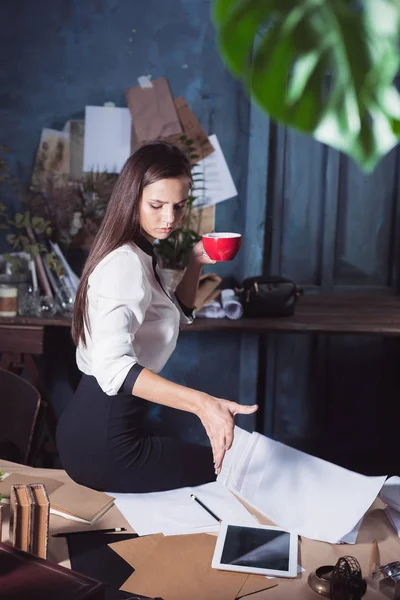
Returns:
point(231, 305)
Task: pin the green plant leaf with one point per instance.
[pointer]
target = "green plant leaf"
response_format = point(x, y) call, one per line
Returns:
point(323, 67)
point(19, 220)
point(13, 240)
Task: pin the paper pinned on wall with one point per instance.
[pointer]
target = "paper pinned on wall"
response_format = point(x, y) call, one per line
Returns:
point(145, 81)
point(107, 138)
point(153, 112)
point(192, 129)
point(216, 179)
point(52, 160)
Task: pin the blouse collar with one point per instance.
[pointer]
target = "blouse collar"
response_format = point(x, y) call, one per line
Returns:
point(144, 244)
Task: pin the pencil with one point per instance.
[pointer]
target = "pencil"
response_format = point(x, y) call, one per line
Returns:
point(210, 512)
point(112, 530)
point(374, 562)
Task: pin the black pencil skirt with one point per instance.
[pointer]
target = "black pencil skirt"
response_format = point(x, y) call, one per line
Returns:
point(104, 444)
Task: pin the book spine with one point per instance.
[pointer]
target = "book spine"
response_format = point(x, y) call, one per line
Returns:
point(31, 518)
point(13, 526)
point(21, 517)
point(40, 528)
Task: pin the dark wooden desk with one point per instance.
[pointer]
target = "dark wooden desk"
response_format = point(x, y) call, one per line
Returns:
point(22, 338)
point(372, 315)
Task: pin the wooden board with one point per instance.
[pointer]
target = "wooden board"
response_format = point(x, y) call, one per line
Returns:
point(379, 315)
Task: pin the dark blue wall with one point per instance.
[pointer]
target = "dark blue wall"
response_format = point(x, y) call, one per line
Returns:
point(56, 56)
point(327, 225)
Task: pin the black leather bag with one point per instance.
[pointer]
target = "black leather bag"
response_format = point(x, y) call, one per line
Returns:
point(269, 296)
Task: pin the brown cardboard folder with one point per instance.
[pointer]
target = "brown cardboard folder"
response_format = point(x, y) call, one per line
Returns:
point(68, 500)
point(183, 567)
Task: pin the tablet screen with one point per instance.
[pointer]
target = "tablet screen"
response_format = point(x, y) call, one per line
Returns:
point(255, 547)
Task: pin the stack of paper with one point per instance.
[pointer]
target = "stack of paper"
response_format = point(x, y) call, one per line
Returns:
point(298, 492)
point(174, 512)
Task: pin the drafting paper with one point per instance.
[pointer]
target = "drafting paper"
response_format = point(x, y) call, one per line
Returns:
point(174, 512)
point(299, 492)
point(216, 178)
point(107, 138)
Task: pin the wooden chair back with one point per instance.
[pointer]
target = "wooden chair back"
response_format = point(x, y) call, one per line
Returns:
point(20, 405)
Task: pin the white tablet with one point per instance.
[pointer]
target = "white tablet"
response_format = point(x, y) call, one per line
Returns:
point(260, 549)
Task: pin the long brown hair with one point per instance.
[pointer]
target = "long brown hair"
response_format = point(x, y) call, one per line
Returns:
point(121, 224)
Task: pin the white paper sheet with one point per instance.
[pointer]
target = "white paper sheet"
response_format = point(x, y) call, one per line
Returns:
point(216, 178)
point(351, 537)
point(231, 304)
point(212, 310)
point(298, 492)
point(390, 492)
point(394, 518)
point(174, 512)
point(107, 141)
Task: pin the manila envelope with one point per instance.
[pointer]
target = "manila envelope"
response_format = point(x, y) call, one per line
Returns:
point(192, 130)
point(207, 290)
point(183, 567)
point(153, 112)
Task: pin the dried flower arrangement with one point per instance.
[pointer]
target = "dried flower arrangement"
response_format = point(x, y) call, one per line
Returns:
point(70, 210)
point(67, 210)
point(23, 226)
point(76, 209)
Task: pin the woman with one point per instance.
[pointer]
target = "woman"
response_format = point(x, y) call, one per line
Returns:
point(126, 325)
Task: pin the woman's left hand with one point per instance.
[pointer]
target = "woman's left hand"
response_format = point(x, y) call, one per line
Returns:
point(199, 256)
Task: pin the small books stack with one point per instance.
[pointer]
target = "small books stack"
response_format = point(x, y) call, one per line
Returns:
point(68, 500)
point(29, 518)
point(25, 576)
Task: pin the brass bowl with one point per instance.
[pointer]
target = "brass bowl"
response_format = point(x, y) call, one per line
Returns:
point(320, 580)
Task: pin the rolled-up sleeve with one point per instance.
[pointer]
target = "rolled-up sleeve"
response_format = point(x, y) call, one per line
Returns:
point(121, 298)
point(186, 314)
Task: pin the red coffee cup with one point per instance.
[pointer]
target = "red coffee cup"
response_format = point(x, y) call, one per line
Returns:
point(222, 246)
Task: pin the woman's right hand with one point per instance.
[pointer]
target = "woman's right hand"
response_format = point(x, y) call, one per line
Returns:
point(218, 418)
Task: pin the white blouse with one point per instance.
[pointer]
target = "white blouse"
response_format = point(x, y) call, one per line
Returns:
point(133, 320)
